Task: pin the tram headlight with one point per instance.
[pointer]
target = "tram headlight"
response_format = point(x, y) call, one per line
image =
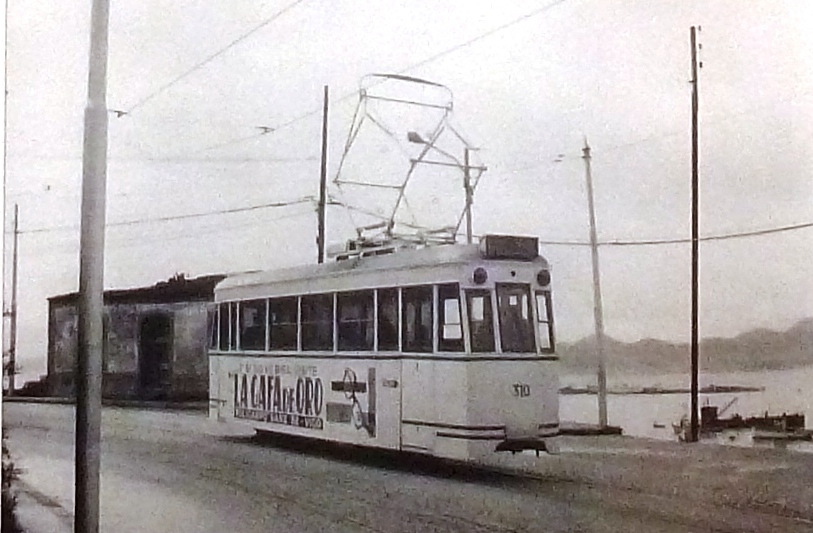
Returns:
point(543, 277)
point(480, 275)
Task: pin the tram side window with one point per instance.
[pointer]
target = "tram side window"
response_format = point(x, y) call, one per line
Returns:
point(481, 320)
point(514, 308)
point(233, 326)
point(451, 328)
point(544, 313)
point(282, 318)
point(354, 316)
point(228, 326)
point(417, 318)
point(388, 319)
point(252, 325)
point(317, 322)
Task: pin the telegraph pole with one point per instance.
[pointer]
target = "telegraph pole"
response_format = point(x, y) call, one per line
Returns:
point(598, 311)
point(467, 185)
point(91, 279)
point(320, 238)
point(12, 352)
point(695, 245)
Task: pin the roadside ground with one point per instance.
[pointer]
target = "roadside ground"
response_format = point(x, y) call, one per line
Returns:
point(771, 483)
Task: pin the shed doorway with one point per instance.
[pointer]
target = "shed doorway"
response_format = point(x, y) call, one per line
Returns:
point(155, 356)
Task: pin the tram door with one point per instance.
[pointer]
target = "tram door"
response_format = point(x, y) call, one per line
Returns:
point(389, 383)
point(155, 352)
point(388, 393)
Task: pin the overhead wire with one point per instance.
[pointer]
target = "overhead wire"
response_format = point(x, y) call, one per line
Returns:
point(210, 58)
point(122, 243)
point(413, 66)
point(656, 242)
point(232, 142)
point(482, 36)
point(209, 231)
point(723, 237)
point(187, 216)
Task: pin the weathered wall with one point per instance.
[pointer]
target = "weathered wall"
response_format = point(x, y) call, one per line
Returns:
point(188, 363)
point(63, 324)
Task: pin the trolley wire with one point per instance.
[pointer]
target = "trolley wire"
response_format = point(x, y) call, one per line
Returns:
point(656, 242)
point(650, 242)
point(306, 199)
point(66, 247)
point(413, 66)
point(482, 36)
point(209, 59)
point(724, 237)
point(133, 241)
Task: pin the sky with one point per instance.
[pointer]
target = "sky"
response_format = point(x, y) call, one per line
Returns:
point(530, 82)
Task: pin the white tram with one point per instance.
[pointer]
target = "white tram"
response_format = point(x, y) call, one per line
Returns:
point(444, 350)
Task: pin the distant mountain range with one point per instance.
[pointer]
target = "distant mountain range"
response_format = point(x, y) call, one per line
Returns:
point(759, 349)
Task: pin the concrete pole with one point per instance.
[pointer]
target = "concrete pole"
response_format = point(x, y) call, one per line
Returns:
point(91, 280)
point(12, 352)
point(598, 312)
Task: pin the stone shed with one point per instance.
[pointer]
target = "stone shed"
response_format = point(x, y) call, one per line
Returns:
point(155, 341)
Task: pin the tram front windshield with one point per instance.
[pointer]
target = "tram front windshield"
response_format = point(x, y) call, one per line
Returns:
point(515, 317)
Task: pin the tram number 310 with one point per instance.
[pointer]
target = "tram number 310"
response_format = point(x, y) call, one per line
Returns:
point(521, 390)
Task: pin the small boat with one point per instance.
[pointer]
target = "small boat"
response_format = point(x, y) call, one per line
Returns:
point(785, 426)
point(795, 435)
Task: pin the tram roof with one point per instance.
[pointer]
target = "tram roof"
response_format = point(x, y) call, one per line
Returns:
point(402, 259)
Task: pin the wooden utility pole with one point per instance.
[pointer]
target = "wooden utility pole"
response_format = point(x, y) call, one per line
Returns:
point(91, 279)
point(598, 311)
point(695, 426)
point(320, 238)
point(12, 350)
point(467, 185)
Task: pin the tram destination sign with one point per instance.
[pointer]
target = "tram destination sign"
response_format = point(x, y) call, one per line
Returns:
point(509, 247)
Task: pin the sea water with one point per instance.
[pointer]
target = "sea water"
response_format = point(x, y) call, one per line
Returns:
point(652, 415)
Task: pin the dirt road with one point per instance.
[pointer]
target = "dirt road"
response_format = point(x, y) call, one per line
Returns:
point(172, 471)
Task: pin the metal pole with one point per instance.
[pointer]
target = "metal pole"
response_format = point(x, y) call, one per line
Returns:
point(598, 313)
point(320, 238)
point(467, 185)
point(12, 363)
point(12, 352)
point(91, 275)
point(695, 245)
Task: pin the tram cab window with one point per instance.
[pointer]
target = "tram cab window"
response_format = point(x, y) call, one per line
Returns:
point(228, 326)
point(252, 325)
point(223, 322)
point(514, 308)
point(354, 318)
point(450, 331)
point(544, 322)
point(417, 319)
point(317, 322)
point(481, 320)
point(282, 319)
point(213, 325)
point(388, 319)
